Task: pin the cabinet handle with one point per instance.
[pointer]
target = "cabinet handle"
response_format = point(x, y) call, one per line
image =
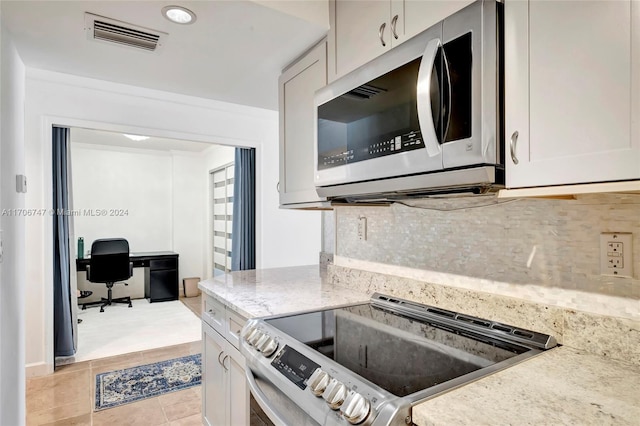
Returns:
point(278, 187)
point(512, 147)
point(394, 22)
point(381, 33)
point(223, 360)
point(219, 355)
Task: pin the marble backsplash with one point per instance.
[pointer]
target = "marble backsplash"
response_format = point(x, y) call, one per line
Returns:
point(540, 242)
point(610, 336)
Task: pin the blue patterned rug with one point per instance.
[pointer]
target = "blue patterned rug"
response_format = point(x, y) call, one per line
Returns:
point(133, 384)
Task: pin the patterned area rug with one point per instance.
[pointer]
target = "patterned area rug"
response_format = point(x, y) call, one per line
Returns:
point(133, 384)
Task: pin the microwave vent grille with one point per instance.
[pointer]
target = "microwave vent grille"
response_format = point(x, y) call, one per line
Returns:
point(366, 91)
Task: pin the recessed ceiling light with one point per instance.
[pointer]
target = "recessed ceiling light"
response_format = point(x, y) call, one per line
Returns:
point(179, 14)
point(136, 138)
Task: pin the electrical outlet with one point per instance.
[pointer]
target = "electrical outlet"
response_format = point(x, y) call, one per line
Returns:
point(615, 262)
point(616, 254)
point(362, 228)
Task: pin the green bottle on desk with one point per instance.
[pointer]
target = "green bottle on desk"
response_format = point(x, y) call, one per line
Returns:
point(80, 248)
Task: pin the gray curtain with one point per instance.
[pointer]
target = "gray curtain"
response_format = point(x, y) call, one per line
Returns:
point(243, 235)
point(63, 342)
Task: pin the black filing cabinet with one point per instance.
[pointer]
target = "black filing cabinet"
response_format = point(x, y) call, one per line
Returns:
point(161, 279)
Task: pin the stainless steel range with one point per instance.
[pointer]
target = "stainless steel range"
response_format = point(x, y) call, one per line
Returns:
point(370, 363)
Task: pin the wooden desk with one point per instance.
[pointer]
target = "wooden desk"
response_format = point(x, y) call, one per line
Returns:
point(160, 273)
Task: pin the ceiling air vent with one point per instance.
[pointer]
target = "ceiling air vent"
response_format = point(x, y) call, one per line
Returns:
point(113, 31)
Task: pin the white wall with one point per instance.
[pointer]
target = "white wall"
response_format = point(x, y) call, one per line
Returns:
point(188, 204)
point(284, 230)
point(137, 182)
point(291, 237)
point(160, 192)
point(284, 237)
point(12, 279)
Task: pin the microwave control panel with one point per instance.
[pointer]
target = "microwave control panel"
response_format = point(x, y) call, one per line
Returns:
point(394, 145)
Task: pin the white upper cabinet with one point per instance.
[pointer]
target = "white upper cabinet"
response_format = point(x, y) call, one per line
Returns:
point(298, 85)
point(572, 92)
point(415, 16)
point(363, 30)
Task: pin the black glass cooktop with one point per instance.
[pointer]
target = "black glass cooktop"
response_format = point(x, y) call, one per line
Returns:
point(399, 353)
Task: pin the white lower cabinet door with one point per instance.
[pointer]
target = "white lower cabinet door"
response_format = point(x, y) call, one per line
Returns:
point(225, 394)
point(238, 392)
point(214, 394)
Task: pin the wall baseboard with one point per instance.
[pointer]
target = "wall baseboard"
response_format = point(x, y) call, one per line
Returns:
point(38, 369)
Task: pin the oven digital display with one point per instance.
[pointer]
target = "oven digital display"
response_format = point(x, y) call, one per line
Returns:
point(294, 366)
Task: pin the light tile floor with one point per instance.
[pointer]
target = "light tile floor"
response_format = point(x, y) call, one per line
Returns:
point(193, 303)
point(67, 396)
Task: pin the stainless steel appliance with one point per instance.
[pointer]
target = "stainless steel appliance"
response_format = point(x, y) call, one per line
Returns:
point(425, 117)
point(370, 363)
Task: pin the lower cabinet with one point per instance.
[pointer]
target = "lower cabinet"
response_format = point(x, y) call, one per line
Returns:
point(161, 280)
point(225, 394)
point(214, 393)
point(238, 390)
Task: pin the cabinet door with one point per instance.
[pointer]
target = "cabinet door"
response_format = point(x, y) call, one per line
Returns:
point(572, 91)
point(357, 32)
point(164, 285)
point(238, 391)
point(214, 395)
point(297, 88)
point(415, 16)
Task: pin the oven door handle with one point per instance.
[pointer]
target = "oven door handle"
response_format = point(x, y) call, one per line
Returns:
point(260, 397)
point(423, 95)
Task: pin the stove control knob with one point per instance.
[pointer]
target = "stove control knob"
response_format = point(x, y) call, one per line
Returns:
point(248, 328)
point(356, 408)
point(268, 347)
point(318, 382)
point(254, 337)
point(334, 394)
point(261, 341)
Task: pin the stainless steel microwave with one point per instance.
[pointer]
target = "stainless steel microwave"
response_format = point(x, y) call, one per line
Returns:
point(425, 117)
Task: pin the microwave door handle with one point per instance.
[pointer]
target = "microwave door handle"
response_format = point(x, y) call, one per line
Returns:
point(425, 115)
point(448, 98)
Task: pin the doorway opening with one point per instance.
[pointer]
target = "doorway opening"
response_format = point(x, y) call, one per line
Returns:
point(154, 193)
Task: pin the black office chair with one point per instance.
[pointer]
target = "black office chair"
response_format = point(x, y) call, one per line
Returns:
point(109, 264)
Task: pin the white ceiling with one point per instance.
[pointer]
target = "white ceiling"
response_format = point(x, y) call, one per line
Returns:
point(112, 139)
point(234, 51)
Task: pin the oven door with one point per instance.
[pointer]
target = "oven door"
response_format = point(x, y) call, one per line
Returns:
point(281, 410)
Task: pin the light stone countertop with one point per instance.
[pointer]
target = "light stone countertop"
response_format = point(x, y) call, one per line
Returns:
point(264, 292)
point(560, 386)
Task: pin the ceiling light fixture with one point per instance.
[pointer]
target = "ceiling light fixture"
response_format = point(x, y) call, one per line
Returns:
point(136, 138)
point(179, 15)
